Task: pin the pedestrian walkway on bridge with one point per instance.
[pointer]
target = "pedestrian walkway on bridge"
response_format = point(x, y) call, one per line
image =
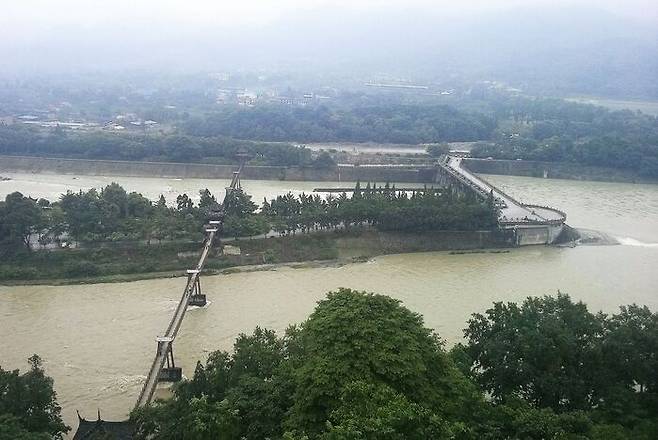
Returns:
point(511, 210)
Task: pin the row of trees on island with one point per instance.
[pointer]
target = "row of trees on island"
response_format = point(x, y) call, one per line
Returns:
point(113, 214)
point(362, 366)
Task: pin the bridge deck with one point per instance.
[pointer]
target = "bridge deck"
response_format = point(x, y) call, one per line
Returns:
point(167, 339)
point(511, 210)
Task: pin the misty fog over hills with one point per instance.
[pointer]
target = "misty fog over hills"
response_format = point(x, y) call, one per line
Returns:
point(570, 50)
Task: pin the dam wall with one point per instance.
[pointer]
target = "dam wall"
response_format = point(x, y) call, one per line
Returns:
point(537, 234)
point(402, 174)
point(553, 170)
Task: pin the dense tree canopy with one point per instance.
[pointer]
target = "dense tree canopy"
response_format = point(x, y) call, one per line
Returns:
point(542, 352)
point(552, 353)
point(393, 123)
point(18, 140)
point(513, 126)
point(560, 131)
point(28, 405)
point(20, 217)
point(383, 207)
point(356, 352)
point(364, 367)
point(112, 214)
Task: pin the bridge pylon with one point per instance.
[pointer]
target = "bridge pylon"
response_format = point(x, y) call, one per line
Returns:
point(170, 373)
point(196, 297)
point(235, 185)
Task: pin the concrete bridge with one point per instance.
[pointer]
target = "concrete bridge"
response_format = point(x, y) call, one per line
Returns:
point(532, 224)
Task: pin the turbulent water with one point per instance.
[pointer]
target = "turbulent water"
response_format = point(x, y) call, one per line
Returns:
point(98, 340)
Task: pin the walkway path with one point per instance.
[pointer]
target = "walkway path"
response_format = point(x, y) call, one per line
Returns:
point(511, 210)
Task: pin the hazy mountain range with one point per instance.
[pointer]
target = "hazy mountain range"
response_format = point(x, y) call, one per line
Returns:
point(551, 50)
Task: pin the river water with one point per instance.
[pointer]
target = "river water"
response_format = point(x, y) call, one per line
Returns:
point(98, 340)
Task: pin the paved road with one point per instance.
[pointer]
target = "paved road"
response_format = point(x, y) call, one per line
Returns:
point(511, 210)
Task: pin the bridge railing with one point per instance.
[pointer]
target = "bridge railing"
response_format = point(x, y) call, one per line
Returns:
point(447, 168)
point(563, 215)
point(496, 189)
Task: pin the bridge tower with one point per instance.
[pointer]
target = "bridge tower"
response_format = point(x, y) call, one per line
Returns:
point(170, 373)
point(196, 297)
point(242, 157)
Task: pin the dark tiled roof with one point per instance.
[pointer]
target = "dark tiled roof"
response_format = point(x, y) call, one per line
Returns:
point(103, 430)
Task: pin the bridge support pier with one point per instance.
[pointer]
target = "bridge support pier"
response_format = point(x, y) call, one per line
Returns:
point(170, 373)
point(196, 298)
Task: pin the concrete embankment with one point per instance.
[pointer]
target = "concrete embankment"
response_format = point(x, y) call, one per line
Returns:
point(137, 261)
point(208, 171)
point(553, 170)
point(373, 243)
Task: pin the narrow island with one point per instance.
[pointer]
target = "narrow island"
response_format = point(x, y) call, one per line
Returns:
point(112, 235)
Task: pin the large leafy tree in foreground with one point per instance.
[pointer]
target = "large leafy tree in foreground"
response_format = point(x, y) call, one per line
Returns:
point(364, 367)
point(551, 358)
point(28, 405)
point(361, 366)
point(541, 351)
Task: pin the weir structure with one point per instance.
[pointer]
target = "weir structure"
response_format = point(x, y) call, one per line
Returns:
point(531, 224)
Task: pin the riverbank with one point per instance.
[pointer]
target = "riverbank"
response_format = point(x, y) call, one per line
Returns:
point(419, 173)
point(137, 261)
point(47, 165)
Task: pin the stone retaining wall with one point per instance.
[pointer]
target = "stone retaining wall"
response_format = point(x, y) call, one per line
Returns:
point(553, 170)
point(207, 171)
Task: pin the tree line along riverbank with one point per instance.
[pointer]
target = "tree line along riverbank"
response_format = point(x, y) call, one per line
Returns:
point(110, 234)
point(512, 127)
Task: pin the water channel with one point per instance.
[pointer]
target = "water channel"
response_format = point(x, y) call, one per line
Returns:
point(98, 340)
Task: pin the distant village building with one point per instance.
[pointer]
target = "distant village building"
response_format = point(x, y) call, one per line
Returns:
point(247, 99)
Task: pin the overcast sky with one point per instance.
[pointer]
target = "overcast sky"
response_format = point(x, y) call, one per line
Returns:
point(46, 32)
point(36, 17)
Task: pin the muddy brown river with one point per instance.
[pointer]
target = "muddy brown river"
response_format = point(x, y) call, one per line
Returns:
point(98, 340)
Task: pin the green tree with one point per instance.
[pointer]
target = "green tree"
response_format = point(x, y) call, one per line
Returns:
point(238, 203)
point(28, 404)
point(184, 203)
point(162, 202)
point(207, 199)
point(631, 347)
point(116, 197)
point(375, 411)
point(355, 336)
point(436, 150)
point(545, 351)
point(21, 217)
